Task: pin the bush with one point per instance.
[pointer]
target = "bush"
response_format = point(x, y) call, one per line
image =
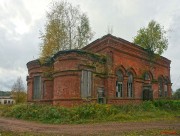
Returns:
point(43, 113)
point(176, 94)
point(172, 105)
point(93, 112)
point(4, 109)
point(148, 106)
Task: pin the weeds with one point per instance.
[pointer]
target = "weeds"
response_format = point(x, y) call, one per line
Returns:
point(156, 110)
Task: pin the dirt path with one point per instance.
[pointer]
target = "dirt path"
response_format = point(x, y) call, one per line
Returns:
point(81, 129)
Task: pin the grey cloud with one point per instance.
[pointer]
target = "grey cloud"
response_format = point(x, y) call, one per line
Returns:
point(12, 10)
point(125, 17)
point(15, 49)
point(173, 51)
point(15, 54)
point(6, 85)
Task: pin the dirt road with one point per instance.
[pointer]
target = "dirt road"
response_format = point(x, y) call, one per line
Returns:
point(82, 129)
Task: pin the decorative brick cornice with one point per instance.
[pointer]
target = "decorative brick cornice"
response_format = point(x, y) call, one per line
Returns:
point(113, 40)
point(93, 56)
point(66, 73)
point(33, 63)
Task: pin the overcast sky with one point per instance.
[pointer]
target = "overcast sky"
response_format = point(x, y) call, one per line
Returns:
point(21, 21)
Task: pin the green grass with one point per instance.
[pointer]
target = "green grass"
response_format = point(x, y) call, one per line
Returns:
point(150, 132)
point(91, 113)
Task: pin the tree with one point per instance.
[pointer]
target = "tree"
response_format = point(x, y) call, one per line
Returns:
point(176, 95)
point(152, 38)
point(18, 91)
point(66, 28)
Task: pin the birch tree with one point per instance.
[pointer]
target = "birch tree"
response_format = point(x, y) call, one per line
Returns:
point(66, 28)
point(153, 38)
point(18, 91)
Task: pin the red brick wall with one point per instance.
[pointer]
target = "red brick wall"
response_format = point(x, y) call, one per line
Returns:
point(72, 102)
point(155, 90)
point(29, 89)
point(67, 86)
point(138, 87)
point(64, 87)
point(34, 69)
point(134, 59)
point(98, 82)
point(47, 89)
point(66, 64)
point(119, 101)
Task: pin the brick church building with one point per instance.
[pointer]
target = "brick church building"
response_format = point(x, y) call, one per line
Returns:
point(109, 70)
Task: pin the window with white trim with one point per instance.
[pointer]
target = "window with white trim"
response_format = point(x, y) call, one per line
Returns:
point(130, 85)
point(119, 84)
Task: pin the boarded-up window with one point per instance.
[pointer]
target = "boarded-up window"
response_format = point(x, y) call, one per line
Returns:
point(86, 84)
point(37, 87)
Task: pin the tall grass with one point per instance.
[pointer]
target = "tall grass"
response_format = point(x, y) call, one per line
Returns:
point(156, 110)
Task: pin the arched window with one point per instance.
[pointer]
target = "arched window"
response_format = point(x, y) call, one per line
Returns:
point(119, 84)
point(130, 85)
point(160, 82)
point(165, 88)
point(146, 76)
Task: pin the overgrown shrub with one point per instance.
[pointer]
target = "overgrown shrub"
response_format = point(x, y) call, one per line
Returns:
point(5, 109)
point(43, 113)
point(148, 106)
point(172, 105)
point(93, 112)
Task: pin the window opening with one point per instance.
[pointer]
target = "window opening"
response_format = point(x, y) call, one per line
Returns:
point(37, 87)
point(119, 84)
point(86, 81)
point(130, 85)
point(160, 87)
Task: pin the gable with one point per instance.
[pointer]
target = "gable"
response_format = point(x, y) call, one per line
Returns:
point(109, 43)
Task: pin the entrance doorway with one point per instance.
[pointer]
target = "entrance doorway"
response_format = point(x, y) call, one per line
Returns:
point(101, 96)
point(147, 92)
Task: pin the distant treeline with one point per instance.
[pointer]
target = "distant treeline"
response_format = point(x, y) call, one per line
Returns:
point(5, 93)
